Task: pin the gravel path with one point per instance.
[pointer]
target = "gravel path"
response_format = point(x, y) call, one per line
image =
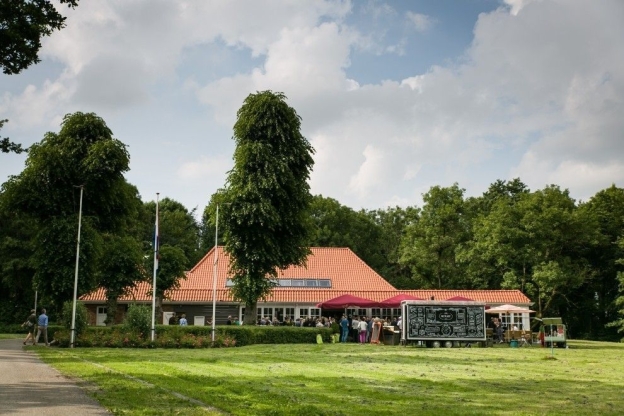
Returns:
point(28, 386)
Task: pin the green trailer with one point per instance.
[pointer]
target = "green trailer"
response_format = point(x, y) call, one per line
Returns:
point(555, 333)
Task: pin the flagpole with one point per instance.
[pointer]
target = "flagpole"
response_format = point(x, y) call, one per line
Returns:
point(156, 244)
point(214, 276)
point(73, 322)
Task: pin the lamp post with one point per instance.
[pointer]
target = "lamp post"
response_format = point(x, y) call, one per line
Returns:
point(73, 323)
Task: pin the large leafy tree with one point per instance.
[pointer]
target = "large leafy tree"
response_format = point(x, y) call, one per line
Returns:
point(22, 25)
point(393, 223)
point(594, 301)
point(17, 241)
point(336, 225)
point(430, 245)
point(179, 240)
point(267, 224)
point(618, 323)
point(83, 153)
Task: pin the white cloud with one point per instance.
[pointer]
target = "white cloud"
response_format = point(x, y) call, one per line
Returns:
point(203, 167)
point(421, 22)
point(538, 94)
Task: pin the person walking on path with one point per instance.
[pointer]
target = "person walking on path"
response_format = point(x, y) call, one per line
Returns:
point(42, 328)
point(29, 324)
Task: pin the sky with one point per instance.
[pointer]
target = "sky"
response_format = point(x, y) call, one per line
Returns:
point(394, 96)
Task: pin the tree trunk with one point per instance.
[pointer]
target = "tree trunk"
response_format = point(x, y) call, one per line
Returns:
point(250, 313)
point(158, 313)
point(111, 310)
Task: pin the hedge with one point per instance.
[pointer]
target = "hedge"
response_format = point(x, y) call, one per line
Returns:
point(193, 336)
point(19, 329)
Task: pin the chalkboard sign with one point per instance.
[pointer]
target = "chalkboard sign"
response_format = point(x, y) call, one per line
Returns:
point(448, 321)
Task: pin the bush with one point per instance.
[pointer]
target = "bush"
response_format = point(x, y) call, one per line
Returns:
point(138, 320)
point(194, 336)
point(82, 316)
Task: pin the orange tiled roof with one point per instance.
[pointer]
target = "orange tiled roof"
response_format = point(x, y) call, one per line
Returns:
point(348, 273)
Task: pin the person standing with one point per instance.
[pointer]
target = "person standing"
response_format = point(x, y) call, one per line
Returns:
point(355, 328)
point(42, 328)
point(29, 324)
point(344, 329)
point(363, 326)
point(183, 321)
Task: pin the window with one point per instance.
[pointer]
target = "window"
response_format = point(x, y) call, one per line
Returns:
point(284, 282)
point(324, 283)
point(315, 312)
point(303, 312)
point(385, 313)
point(229, 283)
point(290, 313)
point(310, 283)
point(396, 312)
point(376, 312)
point(350, 312)
point(361, 312)
point(297, 282)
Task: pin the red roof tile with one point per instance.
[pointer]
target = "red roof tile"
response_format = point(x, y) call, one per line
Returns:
point(347, 272)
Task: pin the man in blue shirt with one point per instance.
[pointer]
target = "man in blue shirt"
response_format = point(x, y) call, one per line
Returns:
point(183, 321)
point(42, 327)
point(344, 329)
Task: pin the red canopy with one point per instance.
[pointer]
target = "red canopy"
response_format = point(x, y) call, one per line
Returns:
point(395, 301)
point(460, 299)
point(345, 301)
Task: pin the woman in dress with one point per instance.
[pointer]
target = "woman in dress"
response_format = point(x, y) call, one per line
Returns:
point(376, 331)
point(30, 325)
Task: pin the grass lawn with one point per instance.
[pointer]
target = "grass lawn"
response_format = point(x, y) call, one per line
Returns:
point(351, 379)
point(12, 336)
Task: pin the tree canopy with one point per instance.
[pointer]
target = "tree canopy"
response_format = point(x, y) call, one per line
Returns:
point(46, 194)
point(267, 224)
point(23, 23)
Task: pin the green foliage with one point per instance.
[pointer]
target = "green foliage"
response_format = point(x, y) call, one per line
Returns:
point(267, 224)
point(430, 244)
point(193, 336)
point(24, 23)
point(177, 227)
point(6, 145)
point(46, 194)
point(138, 319)
point(82, 316)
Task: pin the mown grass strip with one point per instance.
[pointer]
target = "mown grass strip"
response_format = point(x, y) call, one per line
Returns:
point(206, 407)
point(352, 379)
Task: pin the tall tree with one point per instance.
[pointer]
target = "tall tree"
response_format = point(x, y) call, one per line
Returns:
point(22, 25)
point(82, 153)
point(618, 323)
point(179, 245)
point(393, 223)
point(267, 225)
point(336, 225)
point(595, 299)
point(430, 244)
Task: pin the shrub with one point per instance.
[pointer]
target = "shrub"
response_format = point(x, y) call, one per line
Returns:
point(138, 320)
point(82, 316)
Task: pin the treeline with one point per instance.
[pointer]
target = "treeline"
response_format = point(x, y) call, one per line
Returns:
point(564, 255)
